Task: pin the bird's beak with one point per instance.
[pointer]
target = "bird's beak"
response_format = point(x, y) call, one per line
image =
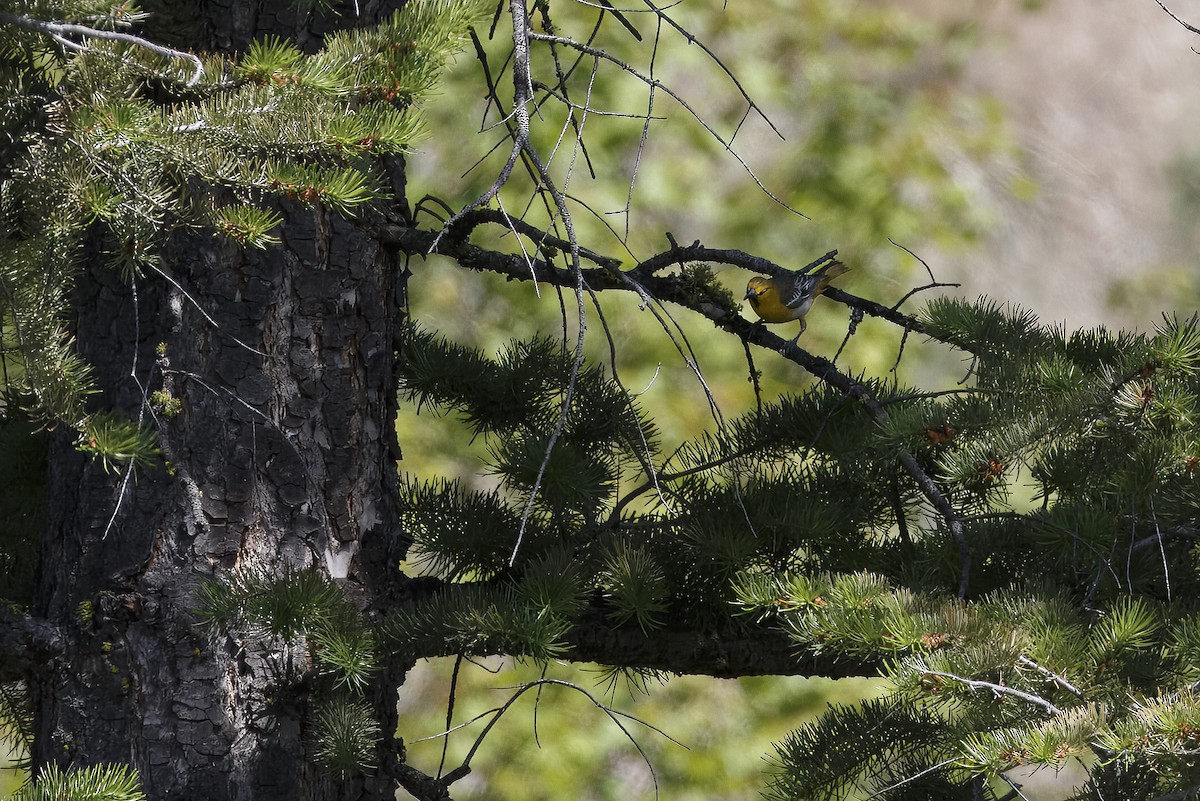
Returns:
point(750, 293)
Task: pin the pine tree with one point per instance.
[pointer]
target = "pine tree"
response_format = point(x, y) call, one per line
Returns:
point(204, 347)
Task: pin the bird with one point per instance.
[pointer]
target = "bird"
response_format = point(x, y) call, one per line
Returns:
point(789, 296)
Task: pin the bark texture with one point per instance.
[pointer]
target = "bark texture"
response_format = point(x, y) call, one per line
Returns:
point(282, 455)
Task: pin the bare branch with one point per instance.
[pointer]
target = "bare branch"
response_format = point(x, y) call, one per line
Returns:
point(613, 715)
point(1059, 680)
point(998, 689)
point(59, 31)
point(655, 83)
point(692, 40)
point(1191, 28)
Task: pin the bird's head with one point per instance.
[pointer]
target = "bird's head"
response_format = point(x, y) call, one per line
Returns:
point(755, 287)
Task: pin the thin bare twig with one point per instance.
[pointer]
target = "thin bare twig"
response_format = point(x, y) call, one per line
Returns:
point(59, 31)
point(613, 715)
point(522, 97)
point(641, 449)
point(1050, 674)
point(692, 40)
point(912, 778)
point(654, 82)
point(1171, 13)
point(165, 273)
point(999, 689)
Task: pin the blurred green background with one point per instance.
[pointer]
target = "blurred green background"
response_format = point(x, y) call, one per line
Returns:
point(561, 745)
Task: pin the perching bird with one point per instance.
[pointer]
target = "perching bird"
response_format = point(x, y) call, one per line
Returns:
point(789, 297)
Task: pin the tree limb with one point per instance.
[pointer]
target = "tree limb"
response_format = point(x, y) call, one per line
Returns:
point(645, 278)
point(454, 244)
point(999, 689)
point(734, 647)
point(59, 31)
point(736, 650)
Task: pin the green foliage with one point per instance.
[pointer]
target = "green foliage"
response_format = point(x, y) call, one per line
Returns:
point(1072, 458)
point(347, 651)
point(636, 586)
point(285, 606)
point(247, 225)
point(1049, 744)
point(443, 518)
point(113, 439)
point(344, 736)
point(129, 140)
point(342, 731)
point(289, 605)
point(481, 619)
point(654, 536)
point(879, 742)
point(165, 403)
point(95, 783)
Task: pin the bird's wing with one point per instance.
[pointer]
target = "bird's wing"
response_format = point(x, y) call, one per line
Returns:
point(800, 291)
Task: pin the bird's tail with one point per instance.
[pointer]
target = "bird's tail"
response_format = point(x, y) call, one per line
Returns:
point(829, 272)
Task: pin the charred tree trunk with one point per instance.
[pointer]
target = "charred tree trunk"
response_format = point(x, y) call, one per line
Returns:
point(282, 454)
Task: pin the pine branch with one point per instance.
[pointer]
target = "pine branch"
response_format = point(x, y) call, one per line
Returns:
point(60, 31)
point(671, 288)
point(1059, 680)
point(730, 651)
point(108, 782)
point(453, 242)
point(726, 649)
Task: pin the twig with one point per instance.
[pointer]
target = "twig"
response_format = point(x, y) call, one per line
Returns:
point(912, 778)
point(1050, 674)
point(692, 40)
point(540, 238)
point(60, 30)
point(612, 714)
point(165, 273)
point(999, 689)
point(1191, 28)
point(1161, 550)
point(654, 82)
point(641, 449)
point(523, 91)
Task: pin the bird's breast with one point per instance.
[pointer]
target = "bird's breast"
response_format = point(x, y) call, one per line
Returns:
point(772, 311)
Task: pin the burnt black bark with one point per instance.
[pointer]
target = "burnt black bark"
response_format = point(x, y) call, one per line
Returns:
point(283, 454)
